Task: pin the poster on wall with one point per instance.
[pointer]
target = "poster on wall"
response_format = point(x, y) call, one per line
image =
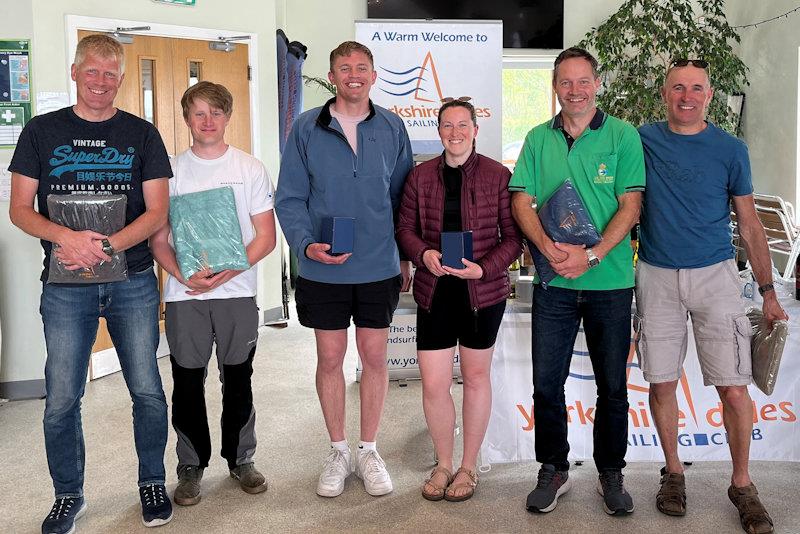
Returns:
point(15, 89)
point(419, 63)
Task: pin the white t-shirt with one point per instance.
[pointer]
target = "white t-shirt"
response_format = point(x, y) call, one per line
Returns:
point(253, 192)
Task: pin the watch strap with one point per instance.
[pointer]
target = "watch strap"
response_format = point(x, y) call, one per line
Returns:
point(766, 287)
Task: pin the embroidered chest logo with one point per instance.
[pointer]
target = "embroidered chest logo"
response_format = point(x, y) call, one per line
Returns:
point(602, 175)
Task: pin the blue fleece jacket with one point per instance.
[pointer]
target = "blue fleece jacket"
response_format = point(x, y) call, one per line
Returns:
point(322, 177)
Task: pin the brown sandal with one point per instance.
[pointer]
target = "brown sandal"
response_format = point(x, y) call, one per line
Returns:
point(671, 497)
point(752, 514)
point(450, 495)
point(438, 491)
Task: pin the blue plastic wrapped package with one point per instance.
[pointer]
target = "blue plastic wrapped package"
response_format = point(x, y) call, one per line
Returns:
point(104, 214)
point(206, 232)
point(564, 219)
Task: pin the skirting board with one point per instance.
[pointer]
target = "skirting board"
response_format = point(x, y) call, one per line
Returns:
point(22, 389)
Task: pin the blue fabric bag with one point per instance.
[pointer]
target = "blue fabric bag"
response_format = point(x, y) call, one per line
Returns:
point(565, 220)
point(206, 232)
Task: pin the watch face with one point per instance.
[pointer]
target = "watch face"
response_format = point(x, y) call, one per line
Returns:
point(594, 262)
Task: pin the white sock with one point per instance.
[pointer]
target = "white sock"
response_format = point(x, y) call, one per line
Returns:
point(341, 445)
point(367, 446)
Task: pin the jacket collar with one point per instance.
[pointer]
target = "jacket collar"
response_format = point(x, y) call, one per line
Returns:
point(324, 118)
point(468, 166)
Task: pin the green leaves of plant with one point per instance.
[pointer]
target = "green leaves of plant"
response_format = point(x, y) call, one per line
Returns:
point(637, 43)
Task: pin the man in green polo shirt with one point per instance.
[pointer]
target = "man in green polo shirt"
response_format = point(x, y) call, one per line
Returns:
point(602, 156)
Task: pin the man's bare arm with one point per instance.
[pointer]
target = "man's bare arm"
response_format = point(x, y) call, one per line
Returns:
point(80, 248)
point(755, 243)
point(156, 213)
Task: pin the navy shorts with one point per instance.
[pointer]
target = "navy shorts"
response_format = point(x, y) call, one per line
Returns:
point(330, 306)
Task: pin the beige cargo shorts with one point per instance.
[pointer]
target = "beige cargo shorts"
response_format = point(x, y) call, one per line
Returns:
point(711, 296)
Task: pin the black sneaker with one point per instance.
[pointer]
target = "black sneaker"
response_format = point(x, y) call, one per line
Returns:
point(551, 484)
point(616, 500)
point(156, 507)
point(62, 517)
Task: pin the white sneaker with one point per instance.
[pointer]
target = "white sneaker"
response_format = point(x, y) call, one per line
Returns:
point(338, 467)
point(371, 468)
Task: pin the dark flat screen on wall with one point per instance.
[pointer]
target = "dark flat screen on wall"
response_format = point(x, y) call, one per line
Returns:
point(526, 23)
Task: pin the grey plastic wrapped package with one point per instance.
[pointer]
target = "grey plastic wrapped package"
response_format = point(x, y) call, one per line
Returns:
point(206, 232)
point(564, 219)
point(104, 214)
point(766, 348)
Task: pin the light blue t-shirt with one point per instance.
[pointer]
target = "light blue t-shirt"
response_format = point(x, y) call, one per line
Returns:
point(685, 221)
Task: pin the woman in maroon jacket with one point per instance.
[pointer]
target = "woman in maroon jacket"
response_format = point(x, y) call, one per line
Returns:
point(458, 191)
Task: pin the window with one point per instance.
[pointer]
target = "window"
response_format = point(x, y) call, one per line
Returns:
point(528, 100)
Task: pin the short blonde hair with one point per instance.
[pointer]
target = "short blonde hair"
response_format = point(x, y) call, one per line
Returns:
point(347, 48)
point(101, 45)
point(215, 94)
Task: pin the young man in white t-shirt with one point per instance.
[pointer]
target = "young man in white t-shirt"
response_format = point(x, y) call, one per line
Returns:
point(217, 307)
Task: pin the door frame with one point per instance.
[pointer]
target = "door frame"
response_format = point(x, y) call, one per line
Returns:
point(157, 29)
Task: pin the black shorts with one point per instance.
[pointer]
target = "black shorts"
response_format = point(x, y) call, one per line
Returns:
point(329, 306)
point(451, 320)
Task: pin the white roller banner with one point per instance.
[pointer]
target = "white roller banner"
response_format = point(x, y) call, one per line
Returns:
point(701, 434)
point(420, 62)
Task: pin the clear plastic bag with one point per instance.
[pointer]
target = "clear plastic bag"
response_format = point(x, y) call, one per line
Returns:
point(206, 232)
point(564, 219)
point(766, 349)
point(104, 214)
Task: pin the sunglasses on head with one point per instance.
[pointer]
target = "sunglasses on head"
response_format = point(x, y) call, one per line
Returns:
point(699, 63)
point(448, 99)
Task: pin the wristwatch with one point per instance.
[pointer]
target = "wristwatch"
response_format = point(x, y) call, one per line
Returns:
point(766, 287)
point(107, 248)
point(594, 261)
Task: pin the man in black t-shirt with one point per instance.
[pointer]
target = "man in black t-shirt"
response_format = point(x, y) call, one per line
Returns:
point(92, 147)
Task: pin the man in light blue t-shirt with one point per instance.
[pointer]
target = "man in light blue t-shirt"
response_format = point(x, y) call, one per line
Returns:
point(695, 171)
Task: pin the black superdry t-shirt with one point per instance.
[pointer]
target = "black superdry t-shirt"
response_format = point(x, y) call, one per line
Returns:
point(67, 155)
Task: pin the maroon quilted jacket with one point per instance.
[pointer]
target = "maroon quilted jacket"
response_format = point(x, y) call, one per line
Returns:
point(485, 209)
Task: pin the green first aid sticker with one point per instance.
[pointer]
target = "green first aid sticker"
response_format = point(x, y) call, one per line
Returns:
point(15, 89)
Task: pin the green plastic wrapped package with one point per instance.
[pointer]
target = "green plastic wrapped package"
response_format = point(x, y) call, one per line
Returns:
point(206, 232)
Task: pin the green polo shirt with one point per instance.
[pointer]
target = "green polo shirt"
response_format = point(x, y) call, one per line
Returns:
point(605, 162)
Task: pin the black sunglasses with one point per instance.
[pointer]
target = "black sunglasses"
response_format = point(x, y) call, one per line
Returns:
point(448, 99)
point(699, 63)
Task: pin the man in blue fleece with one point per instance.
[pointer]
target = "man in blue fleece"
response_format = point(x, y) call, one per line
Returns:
point(348, 158)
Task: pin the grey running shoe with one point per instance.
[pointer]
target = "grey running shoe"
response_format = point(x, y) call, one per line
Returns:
point(551, 484)
point(616, 500)
point(188, 491)
point(251, 480)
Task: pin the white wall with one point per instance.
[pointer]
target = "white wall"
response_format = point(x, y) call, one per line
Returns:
point(21, 354)
point(44, 22)
point(316, 25)
point(770, 111)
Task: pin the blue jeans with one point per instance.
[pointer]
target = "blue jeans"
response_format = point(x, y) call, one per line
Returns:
point(556, 315)
point(70, 315)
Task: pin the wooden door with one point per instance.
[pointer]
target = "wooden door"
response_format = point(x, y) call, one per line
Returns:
point(157, 72)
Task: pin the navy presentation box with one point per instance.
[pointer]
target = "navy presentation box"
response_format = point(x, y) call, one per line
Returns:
point(339, 233)
point(456, 245)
